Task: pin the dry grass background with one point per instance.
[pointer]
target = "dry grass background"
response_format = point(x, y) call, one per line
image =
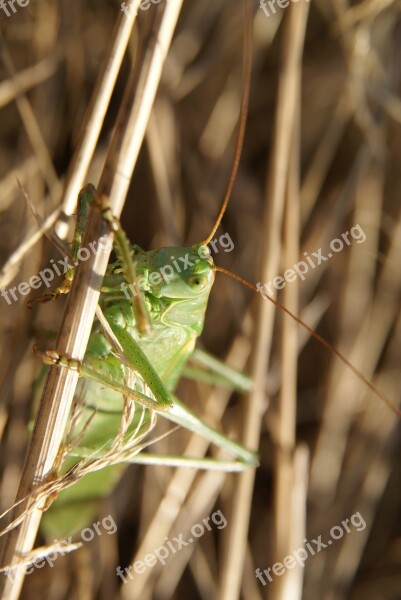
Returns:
point(344, 158)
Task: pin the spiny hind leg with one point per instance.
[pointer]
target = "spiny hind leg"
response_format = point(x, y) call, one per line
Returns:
point(176, 412)
point(86, 370)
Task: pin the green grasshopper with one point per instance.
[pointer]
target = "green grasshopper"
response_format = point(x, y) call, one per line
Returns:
point(146, 331)
point(150, 323)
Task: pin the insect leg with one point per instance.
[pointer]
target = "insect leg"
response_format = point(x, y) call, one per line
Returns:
point(216, 372)
point(125, 253)
point(84, 199)
point(168, 405)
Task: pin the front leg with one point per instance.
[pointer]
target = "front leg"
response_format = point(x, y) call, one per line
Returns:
point(85, 198)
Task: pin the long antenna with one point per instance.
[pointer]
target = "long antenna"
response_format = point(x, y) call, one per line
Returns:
point(396, 409)
point(246, 84)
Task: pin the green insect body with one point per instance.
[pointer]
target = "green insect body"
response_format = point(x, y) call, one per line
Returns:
point(149, 363)
point(176, 305)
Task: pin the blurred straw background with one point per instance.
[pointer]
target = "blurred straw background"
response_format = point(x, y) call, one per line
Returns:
point(320, 156)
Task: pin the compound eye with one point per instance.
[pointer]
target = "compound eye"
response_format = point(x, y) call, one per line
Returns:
point(197, 282)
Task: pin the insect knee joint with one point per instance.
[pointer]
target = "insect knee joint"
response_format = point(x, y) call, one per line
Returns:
point(53, 358)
